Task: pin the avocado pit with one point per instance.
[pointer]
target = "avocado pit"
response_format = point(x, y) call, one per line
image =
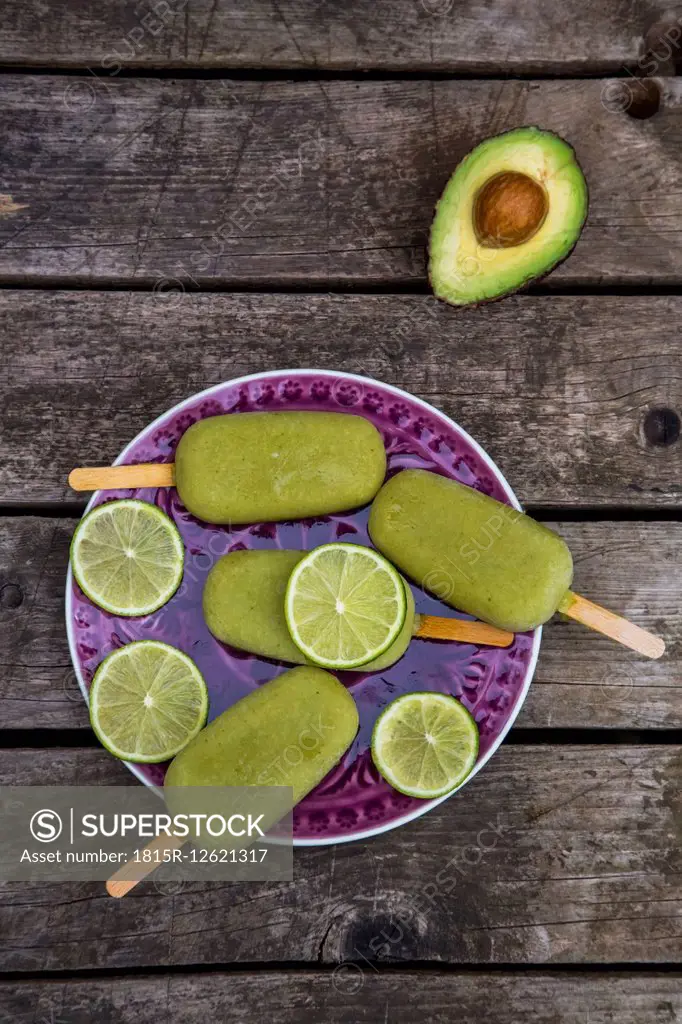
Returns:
point(509, 209)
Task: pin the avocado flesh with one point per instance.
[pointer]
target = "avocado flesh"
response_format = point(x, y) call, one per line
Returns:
point(462, 269)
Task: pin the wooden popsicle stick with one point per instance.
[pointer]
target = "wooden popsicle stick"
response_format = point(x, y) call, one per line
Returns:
point(612, 625)
point(433, 627)
point(127, 877)
point(113, 478)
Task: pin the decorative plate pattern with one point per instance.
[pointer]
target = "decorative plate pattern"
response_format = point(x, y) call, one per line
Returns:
point(353, 800)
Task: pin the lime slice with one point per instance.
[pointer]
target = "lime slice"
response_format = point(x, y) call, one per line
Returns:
point(147, 701)
point(425, 744)
point(344, 605)
point(127, 557)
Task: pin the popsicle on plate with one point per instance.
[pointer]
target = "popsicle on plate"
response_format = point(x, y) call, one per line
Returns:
point(262, 466)
point(278, 465)
point(486, 558)
point(306, 710)
point(243, 606)
point(473, 552)
point(289, 732)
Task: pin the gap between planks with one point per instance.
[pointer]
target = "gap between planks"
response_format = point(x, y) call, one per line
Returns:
point(283, 74)
point(519, 736)
point(541, 513)
point(546, 288)
point(313, 967)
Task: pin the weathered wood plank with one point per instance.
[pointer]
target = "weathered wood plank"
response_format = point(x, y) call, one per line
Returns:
point(582, 680)
point(400, 34)
point(352, 994)
point(325, 183)
point(550, 855)
point(557, 389)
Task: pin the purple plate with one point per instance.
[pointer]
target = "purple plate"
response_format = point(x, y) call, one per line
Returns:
point(353, 802)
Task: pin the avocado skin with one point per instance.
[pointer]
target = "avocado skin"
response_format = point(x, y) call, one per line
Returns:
point(503, 295)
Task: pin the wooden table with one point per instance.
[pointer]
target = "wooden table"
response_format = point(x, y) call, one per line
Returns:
point(198, 189)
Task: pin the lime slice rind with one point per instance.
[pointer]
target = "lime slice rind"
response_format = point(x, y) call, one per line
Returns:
point(425, 745)
point(345, 605)
point(126, 723)
point(127, 557)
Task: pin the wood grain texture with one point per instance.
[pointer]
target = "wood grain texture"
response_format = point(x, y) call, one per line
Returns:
point(445, 35)
point(550, 855)
point(557, 389)
point(582, 680)
point(328, 183)
point(351, 994)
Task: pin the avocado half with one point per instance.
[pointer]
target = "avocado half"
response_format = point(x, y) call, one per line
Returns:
point(512, 210)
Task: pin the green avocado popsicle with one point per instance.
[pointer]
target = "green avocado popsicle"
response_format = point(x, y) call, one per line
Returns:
point(305, 714)
point(272, 466)
point(243, 606)
point(473, 552)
